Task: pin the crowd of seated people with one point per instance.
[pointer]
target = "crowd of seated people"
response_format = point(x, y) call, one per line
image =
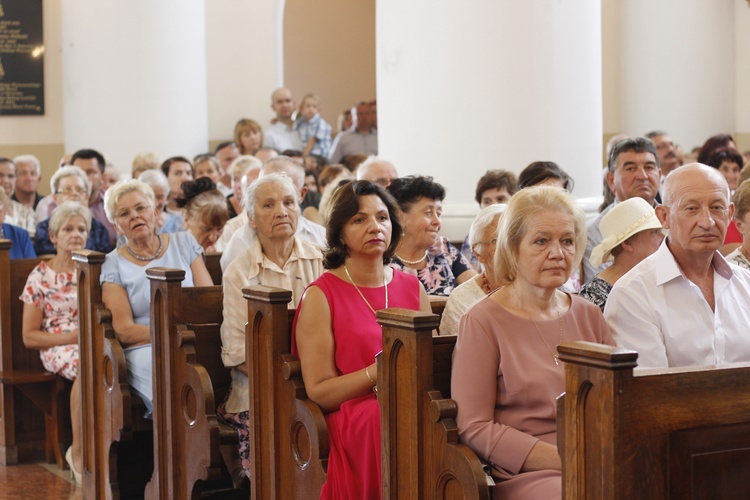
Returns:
point(335, 224)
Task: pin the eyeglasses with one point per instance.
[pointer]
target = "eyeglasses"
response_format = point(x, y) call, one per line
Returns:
point(71, 191)
point(492, 242)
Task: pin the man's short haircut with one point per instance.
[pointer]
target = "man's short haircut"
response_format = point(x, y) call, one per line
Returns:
point(175, 159)
point(408, 190)
point(69, 171)
point(64, 211)
point(5, 159)
point(285, 164)
point(496, 179)
point(539, 171)
point(89, 154)
point(29, 159)
point(655, 133)
point(722, 155)
point(637, 145)
point(369, 161)
point(225, 144)
point(514, 224)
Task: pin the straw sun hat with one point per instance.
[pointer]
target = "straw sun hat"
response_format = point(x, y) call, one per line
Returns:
point(623, 221)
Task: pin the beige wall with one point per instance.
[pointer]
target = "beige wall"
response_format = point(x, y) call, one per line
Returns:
point(329, 50)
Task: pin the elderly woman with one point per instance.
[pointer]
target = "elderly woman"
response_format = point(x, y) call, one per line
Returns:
point(22, 247)
point(336, 335)
point(177, 170)
point(248, 135)
point(422, 252)
point(165, 222)
point(495, 186)
point(126, 291)
point(741, 200)
point(506, 374)
point(71, 184)
point(630, 233)
point(483, 239)
point(205, 211)
point(50, 311)
point(276, 258)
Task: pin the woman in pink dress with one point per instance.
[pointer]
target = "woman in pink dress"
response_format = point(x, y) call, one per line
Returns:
point(506, 374)
point(336, 335)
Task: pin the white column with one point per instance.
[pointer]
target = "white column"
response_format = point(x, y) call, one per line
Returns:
point(134, 78)
point(468, 86)
point(742, 82)
point(678, 68)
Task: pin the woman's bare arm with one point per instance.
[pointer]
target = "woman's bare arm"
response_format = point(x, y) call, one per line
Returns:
point(36, 338)
point(116, 299)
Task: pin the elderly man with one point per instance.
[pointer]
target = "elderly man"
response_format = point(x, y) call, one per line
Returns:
point(282, 135)
point(685, 305)
point(245, 236)
point(377, 170)
point(666, 149)
point(28, 175)
point(633, 170)
point(16, 213)
point(363, 140)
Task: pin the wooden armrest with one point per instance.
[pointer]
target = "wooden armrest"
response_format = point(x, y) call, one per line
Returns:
point(18, 377)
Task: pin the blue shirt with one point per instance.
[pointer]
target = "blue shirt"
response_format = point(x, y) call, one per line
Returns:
point(22, 248)
point(316, 127)
point(98, 239)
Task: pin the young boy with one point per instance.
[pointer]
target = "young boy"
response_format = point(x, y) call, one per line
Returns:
point(313, 130)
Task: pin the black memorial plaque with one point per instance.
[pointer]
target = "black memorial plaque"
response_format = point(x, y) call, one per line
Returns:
point(21, 58)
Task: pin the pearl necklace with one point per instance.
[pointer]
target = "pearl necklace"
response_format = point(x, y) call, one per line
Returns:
point(555, 358)
point(385, 284)
point(146, 259)
point(411, 262)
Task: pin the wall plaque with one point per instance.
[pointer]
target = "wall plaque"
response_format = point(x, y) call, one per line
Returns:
point(21, 58)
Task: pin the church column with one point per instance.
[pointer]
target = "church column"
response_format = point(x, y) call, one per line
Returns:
point(134, 78)
point(463, 88)
point(678, 68)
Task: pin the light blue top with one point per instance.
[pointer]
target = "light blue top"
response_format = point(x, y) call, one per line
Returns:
point(181, 252)
point(173, 224)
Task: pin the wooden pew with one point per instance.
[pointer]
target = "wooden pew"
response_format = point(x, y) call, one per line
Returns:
point(670, 433)
point(213, 265)
point(22, 373)
point(117, 440)
point(189, 382)
point(421, 455)
point(288, 436)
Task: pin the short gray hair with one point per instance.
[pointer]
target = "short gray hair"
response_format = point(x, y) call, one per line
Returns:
point(64, 211)
point(483, 220)
point(114, 193)
point(155, 178)
point(285, 164)
point(242, 163)
point(69, 171)
point(29, 159)
point(280, 178)
point(362, 168)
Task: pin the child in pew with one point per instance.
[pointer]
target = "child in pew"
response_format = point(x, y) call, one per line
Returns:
point(50, 312)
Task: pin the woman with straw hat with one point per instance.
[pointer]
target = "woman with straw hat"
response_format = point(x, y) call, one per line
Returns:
point(631, 232)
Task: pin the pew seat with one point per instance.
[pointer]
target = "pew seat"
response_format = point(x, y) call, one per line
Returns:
point(33, 401)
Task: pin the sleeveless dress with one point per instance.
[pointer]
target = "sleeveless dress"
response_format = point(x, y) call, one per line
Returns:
point(354, 429)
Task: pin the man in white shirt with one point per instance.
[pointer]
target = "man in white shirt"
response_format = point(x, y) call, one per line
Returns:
point(282, 136)
point(685, 305)
point(244, 237)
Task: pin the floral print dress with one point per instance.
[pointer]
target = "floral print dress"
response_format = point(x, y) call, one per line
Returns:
point(55, 294)
point(444, 265)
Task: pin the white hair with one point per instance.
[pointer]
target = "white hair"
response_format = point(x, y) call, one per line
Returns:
point(483, 220)
point(64, 211)
point(117, 191)
point(249, 196)
point(69, 171)
point(29, 159)
point(155, 178)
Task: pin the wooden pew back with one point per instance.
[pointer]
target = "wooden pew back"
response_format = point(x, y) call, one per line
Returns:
point(289, 439)
point(213, 265)
point(189, 380)
point(21, 368)
point(672, 434)
point(421, 455)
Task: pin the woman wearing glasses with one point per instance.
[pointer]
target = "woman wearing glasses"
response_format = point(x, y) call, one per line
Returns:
point(71, 184)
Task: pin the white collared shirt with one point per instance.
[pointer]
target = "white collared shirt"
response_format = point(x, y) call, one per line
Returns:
point(656, 310)
point(280, 137)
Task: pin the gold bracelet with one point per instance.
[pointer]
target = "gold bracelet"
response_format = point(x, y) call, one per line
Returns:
point(367, 372)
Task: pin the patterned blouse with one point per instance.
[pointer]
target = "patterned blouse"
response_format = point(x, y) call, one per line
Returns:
point(444, 264)
point(56, 295)
point(737, 257)
point(596, 291)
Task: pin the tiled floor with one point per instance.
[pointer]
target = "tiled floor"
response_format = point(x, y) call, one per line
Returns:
point(37, 481)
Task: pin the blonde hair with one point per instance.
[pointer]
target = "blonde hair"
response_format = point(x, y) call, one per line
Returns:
point(741, 200)
point(243, 125)
point(523, 206)
point(64, 211)
point(114, 193)
point(209, 207)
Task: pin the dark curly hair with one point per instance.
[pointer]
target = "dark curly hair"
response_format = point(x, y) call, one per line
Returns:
point(345, 205)
point(496, 179)
point(191, 189)
point(408, 190)
point(713, 144)
point(202, 201)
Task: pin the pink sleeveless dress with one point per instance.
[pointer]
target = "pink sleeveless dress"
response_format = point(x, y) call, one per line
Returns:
point(354, 429)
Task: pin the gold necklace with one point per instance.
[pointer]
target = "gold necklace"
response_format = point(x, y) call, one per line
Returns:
point(385, 284)
point(559, 320)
